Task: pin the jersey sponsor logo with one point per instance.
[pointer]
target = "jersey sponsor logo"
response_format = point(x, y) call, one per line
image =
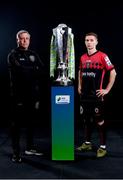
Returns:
point(107, 60)
point(89, 74)
point(62, 99)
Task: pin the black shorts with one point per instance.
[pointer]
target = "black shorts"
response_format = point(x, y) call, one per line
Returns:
point(92, 108)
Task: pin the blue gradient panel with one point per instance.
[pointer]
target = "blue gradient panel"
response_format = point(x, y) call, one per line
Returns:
point(62, 114)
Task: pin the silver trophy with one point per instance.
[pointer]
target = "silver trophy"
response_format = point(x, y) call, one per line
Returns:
point(62, 68)
point(64, 64)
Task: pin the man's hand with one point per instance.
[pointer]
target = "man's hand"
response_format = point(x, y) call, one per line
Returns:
point(101, 92)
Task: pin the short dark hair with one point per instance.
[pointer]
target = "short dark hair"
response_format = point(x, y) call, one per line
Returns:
point(92, 34)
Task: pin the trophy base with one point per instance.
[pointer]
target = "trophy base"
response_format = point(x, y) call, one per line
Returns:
point(63, 82)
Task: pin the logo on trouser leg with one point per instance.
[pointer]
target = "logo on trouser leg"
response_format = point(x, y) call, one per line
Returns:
point(96, 110)
point(81, 110)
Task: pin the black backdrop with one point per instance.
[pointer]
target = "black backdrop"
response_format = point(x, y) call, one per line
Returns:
point(39, 18)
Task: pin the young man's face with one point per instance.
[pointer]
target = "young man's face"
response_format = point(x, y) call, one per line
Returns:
point(91, 42)
point(23, 40)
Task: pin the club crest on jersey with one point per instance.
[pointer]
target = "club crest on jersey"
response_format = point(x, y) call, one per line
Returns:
point(108, 62)
point(32, 58)
point(88, 62)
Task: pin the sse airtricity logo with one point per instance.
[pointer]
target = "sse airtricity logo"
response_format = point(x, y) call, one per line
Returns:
point(62, 99)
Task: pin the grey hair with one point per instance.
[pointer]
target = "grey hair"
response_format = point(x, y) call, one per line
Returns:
point(20, 32)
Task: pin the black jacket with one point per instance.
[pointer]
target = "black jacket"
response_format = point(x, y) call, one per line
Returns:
point(25, 69)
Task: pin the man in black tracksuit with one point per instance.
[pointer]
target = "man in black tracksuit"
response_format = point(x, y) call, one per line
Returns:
point(25, 69)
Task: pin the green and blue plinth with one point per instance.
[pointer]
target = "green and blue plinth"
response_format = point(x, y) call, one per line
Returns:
point(62, 118)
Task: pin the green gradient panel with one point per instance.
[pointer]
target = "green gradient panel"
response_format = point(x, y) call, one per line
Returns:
point(62, 113)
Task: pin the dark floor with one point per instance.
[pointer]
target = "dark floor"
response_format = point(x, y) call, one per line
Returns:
point(85, 165)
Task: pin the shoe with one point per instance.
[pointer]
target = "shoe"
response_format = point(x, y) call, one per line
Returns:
point(85, 147)
point(16, 158)
point(101, 152)
point(33, 152)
